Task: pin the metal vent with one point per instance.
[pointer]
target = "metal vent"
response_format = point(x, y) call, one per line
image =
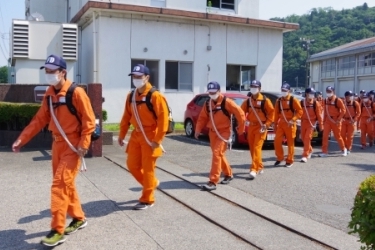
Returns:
point(20, 46)
point(70, 42)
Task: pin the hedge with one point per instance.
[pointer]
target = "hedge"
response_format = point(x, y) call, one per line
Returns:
point(16, 116)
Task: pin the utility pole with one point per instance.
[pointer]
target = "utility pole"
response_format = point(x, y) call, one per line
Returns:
point(306, 44)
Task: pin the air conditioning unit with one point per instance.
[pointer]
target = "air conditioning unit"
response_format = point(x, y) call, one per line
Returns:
point(20, 39)
point(69, 41)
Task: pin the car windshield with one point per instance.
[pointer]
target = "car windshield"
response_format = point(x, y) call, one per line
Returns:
point(238, 100)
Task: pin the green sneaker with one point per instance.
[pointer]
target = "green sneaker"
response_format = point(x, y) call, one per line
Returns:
point(53, 239)
point(75, 225)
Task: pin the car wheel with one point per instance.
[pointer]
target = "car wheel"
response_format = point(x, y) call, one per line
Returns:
point(189, 128)
point(234, 138)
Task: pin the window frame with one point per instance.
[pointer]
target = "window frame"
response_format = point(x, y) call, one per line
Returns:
point(225, 3)
point(179, 76)
point(157, 85)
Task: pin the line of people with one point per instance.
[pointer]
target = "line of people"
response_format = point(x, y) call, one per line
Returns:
point(258, 113)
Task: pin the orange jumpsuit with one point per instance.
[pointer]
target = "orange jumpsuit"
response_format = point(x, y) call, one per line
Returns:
point(254, 137)
point(367, 111)
point(310, 117)
point(331, 116)
point(141, 158)
point(353, 111)
point(284, 128)
point(65, 162)
point(223, 125)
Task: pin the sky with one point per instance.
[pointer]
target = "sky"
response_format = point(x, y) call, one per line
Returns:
point(15, 9)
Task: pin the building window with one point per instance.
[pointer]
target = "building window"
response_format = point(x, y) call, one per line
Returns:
point(179, 76)
point(221, 4)
point(347, 62)
point(366, 60)
point(239, 77)
point(328, 68)
point(153, 66)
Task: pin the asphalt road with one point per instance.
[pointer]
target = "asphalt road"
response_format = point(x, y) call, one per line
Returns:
point(322, 189)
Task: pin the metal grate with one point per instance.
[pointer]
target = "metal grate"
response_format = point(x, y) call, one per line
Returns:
point(70, 42)
point(20, 46)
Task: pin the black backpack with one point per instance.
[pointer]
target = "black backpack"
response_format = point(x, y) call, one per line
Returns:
point(325, 102)
point(69, 103)
point(290, 104)
point(151, 107)
point(222, 107)
point(262, 103)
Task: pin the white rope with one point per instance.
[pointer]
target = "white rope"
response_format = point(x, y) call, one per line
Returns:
point(229, 141)
point(135, 110)
point(328, 115)
point(262, 130)
point(83, 163)
point(349, 111)
point(370, 118)
point(308, 116)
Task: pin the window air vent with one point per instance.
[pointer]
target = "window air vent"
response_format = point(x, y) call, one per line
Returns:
point(70, 42)
point(20, 46)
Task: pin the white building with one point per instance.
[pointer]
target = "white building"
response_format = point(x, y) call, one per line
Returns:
point(347, 67)
point(185, 43)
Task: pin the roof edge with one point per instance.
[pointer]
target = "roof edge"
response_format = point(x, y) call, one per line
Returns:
point(344, 52)
point(285, 27)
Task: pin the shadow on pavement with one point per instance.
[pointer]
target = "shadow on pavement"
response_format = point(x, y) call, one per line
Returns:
point(362, 167)
point(16, 239)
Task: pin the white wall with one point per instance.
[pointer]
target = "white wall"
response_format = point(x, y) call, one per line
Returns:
point(314, 71)
point(28, 72)
point(270, 61)
point(366, 83)
point(44, 39)
point(191, 5)
point(120, 39)
point(344, 85)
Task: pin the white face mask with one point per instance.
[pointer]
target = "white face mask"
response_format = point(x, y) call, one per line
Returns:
point(214, 96)
point(52, 79)
point(254, 91)
point(138, 83)
point(351, 98)
point(284, 94)
point(329, 94)
point(311, 96)
point(365, 99)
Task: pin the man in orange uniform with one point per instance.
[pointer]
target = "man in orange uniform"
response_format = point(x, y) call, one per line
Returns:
point(334, 111)
point(219, 123)
point(367, 116)
point(287, 111)
point(312, 113)
point(372, 98)
point(351, 117)
point(65, 162)
point(144, 145)
point(260, 113)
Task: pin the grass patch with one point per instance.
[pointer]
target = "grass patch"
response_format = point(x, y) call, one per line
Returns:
point(114, 127)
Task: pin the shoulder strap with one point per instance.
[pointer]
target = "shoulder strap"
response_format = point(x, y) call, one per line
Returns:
point(148, 101)
point(314, 106)
point(291, 100)
point(279, 101)
point(262, 103)
point(69, 101)
point(336, 100)
point(131, 96)
point(225, 111)
point(302, 105)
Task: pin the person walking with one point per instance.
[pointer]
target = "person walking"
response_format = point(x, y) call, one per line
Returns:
point(351, 117)
point(334, 111)
point(70, 143)
point(260, 115)
point(312, 115)
point(217, 114)
point(150, 127)
point(366, 121)
point(287, 111)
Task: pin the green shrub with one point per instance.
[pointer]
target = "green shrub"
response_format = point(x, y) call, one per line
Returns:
point(363, 213)
point(105, 115)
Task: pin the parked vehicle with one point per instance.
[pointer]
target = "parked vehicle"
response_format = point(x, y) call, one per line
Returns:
point(195, 106)
point(317, 136)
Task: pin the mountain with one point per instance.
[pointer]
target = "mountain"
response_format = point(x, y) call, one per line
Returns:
point(328, 28)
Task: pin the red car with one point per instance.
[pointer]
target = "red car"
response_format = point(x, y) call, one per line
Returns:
point(194, 107)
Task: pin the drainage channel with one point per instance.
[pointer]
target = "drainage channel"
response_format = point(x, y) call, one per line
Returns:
point(256, 245)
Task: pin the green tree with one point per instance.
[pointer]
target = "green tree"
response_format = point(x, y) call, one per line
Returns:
point(4, 74)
